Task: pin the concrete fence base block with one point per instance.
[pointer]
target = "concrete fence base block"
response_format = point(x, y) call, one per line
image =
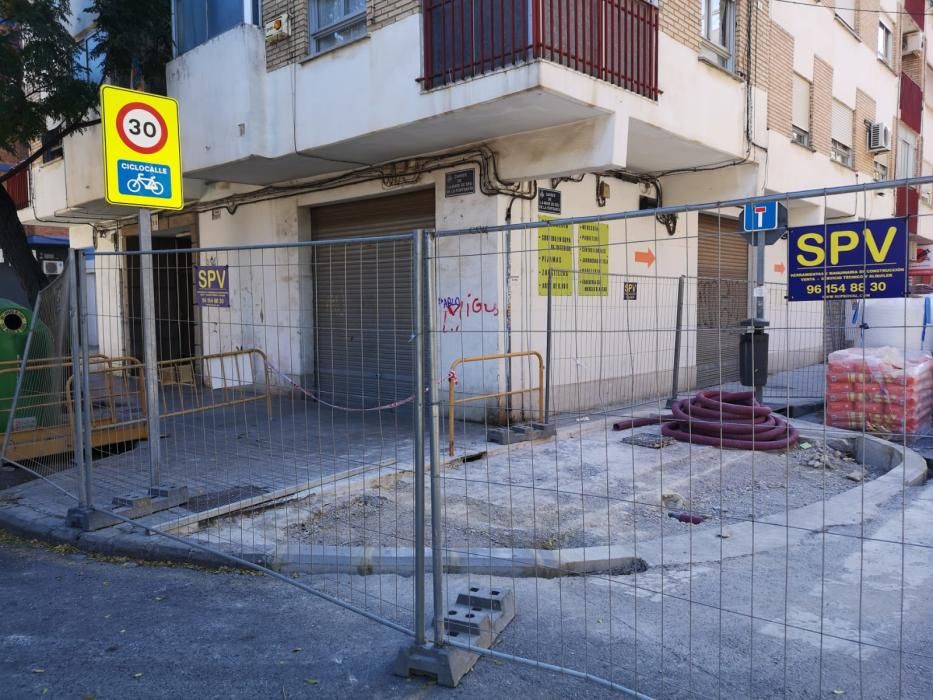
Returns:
point(445, 664)
point(476, 619)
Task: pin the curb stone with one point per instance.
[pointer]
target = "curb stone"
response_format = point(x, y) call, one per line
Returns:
point(862, 502)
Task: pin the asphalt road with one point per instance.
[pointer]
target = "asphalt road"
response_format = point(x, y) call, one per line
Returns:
point(843, 615)
point(76, 627)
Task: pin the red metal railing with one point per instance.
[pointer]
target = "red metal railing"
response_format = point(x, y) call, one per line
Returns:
point(907, 203)
point(18, 187)
point(915, 8)
point(613, 40)
point(911, 103)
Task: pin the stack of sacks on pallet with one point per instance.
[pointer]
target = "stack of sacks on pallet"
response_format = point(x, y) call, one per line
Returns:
point(879, 390)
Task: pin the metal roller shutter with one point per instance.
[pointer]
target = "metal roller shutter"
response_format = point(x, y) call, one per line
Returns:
point(363, 298)
point(722, 299)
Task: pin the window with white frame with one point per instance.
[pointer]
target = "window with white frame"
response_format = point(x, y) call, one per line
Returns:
point(845, 10)
point(800, 115)
point(52, 146)
point(881, 168)
point(196, 22)
point(842, 120)
point(717, 26)
point(885, 43)
point(335, 22)
point(906, 165)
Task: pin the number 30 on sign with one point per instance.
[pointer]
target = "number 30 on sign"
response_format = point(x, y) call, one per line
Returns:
point(142, 153)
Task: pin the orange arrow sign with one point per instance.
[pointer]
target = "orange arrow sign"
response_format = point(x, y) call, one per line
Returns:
point(645, 256)
point(779, 267)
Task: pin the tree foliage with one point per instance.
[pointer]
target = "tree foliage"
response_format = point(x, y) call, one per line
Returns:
point(42, 87)
point(136, 41)
point(39, 84)
point(37, 77)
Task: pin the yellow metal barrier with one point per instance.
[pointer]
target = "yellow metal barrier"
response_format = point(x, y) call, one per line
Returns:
point(43, 362)
point(452, 380)
point(55, 435)
point(184, 372)
point(119, 398)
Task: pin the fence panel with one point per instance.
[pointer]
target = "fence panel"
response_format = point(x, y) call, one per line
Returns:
point(660, 531)
point(36, 379)
point(286, 393)
point(663, 534)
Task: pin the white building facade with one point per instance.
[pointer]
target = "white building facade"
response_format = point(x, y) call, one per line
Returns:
point(314, 119)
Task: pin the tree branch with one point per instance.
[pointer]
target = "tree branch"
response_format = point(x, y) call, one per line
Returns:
point(33, 157)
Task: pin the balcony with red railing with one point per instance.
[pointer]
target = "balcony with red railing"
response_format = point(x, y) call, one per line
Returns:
point(911, 103)
point(907, 203)
point(18, 187)
point(916, 9)
point(611, 40)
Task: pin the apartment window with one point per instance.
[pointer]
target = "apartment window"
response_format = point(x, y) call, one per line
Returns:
point(800, 117)
point(717, 25)
point(52, 143)
point(881, 170)
point(842, 134)
point(199, 21)
point(906, 165)
point(336, 22)
point(88, 67)
point(845, 10)
point(885, 44)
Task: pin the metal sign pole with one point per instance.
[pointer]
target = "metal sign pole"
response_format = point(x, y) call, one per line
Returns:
point(760, 296)
point(149, 347)
point(760, 275)
point(142, 169)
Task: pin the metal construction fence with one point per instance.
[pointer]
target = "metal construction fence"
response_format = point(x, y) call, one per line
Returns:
point(536, 442)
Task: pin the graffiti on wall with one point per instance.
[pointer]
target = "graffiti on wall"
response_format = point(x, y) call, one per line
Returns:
point(457, 309)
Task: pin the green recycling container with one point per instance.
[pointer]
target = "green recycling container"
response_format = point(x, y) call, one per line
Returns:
point(38, 402)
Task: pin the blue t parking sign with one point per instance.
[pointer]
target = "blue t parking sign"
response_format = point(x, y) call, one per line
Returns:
point(760, 216)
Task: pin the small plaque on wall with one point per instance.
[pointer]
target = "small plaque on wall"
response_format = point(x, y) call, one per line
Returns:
point(459, 183)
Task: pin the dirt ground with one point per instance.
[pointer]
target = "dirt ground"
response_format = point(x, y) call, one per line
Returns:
point(584, 490)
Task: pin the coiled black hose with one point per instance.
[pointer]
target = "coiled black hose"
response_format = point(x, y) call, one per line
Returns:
point(722, 419)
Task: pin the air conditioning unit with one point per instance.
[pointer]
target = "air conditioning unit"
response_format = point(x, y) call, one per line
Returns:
point(278, 28)
point(53, 267)
point(926, 196)
point(879, 137)
point(912, 43)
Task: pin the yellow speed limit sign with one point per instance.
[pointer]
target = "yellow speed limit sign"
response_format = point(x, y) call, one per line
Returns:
point(142, 151)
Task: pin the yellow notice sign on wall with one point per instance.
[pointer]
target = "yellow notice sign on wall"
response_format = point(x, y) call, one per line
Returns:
point(142, 151)
point(593, 269)
point(555, 256)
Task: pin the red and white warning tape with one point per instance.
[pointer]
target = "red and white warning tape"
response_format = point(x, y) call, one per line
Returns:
point(285, 378)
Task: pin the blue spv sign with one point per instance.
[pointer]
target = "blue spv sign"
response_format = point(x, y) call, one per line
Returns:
point(144, 179)
point(853, 260)
point(211, 285)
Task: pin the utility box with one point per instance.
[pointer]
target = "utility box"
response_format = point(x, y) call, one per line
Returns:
point(753, 358)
